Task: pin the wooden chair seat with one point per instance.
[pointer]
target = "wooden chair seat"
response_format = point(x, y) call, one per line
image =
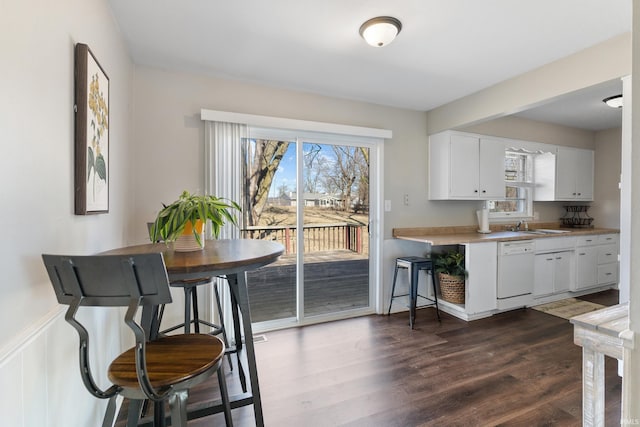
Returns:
point(171, 360)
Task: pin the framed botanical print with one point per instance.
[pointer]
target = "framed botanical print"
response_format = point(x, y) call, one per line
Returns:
point(91, 134)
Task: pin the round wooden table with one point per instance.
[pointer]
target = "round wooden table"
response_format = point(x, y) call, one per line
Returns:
point(231, 258)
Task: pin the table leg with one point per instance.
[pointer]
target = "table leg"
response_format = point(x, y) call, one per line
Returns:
point(592, 388)
point(232, 279)
point(238, 285)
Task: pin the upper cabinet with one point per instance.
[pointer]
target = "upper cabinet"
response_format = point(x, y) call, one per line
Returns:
point(465, 167)
point(566, 174)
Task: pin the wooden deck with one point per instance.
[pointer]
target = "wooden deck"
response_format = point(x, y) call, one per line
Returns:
point(334, 281)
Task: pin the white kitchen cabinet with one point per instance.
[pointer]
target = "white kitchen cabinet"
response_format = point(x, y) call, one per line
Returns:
point(574, 174)
point(465, 167)
point(596, 261)
point(552, 273)
point(564, 174)
point(543, 272)
point(554, 265)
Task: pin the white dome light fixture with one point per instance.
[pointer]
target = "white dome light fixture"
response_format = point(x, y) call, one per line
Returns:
point(380, 31)
point(614, 101)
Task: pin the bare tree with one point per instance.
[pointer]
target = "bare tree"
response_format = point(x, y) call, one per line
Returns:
point(348, 169)
point(262, 158)
point(363, 173)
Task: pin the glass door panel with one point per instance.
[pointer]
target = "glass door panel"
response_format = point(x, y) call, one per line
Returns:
point(335, 233)
point(269, 213)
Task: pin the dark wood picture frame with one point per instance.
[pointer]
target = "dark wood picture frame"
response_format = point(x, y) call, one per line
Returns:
point(91, 134)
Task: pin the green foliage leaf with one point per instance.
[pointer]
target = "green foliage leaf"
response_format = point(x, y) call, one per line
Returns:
point(101, 167)
point(90, 161)
point(173, 218)
point(451, 262)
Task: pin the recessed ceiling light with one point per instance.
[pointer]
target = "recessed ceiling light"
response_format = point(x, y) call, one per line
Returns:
point(380, 31)
point(614, 101)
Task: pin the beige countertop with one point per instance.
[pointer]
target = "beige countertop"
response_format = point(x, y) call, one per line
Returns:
point(467, 234)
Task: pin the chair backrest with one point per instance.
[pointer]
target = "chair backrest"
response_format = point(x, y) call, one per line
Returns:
point(109, 280)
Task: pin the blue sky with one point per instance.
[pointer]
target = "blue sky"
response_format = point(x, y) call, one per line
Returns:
point(286, 173)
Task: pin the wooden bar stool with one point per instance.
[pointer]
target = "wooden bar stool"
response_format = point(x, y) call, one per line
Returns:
point(414, 265)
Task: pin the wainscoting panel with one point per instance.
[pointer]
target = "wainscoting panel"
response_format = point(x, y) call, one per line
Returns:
point(40, 376)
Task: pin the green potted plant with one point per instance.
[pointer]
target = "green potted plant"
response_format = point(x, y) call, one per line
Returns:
point(183, 220)
point(451, 275)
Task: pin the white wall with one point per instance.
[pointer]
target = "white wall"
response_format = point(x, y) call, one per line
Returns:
point(608, 153)
point(167, 124)
point(38, 361)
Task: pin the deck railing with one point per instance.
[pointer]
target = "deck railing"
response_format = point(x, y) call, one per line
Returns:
point(319, 237)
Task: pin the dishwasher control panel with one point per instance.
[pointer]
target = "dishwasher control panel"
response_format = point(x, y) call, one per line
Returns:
point(517, 247)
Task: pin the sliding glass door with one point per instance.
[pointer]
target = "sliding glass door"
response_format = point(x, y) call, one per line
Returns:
point(313, 196)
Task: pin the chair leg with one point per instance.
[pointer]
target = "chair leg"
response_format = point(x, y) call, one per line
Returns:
point(187, 309)
point(178, 405)
point(222, 328)
point(393, 288)
point(196, 316)
point(224, 394)
point(435, 293)
point(110, 413)
point(413, 293)
point(133, 412)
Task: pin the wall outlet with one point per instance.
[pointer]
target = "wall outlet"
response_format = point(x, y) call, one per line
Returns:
point(387, 205)
point(406, 200)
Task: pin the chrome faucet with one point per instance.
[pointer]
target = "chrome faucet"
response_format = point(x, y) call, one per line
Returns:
point(520, 224)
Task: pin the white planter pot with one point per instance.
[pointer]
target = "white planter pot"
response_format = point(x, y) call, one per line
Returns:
point(188, 243)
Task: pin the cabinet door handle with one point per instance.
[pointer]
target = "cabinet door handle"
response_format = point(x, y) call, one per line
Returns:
point(549, 259)
point(579, 194)
point(484, 191)
point(608, 274)
point(559, 257)
point(475, 191)
point(582, 254)
point(608, 254)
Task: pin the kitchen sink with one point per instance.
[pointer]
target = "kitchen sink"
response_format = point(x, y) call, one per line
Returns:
point(546, 231)
point(550, 231)
point(542, 231)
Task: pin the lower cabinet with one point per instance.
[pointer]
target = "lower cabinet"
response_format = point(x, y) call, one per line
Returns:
point(553, 273)
point(596, 261)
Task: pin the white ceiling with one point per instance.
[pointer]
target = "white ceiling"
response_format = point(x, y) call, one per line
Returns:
point(447, 49)
point(582, 109)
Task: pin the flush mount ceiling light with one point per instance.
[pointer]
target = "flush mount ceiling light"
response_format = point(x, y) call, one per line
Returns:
point(614, 101)
point(380, 31)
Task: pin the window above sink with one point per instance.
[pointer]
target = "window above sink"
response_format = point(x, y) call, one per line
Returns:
point(518, 178)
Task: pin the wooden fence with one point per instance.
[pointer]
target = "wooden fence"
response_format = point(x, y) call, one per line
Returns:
point(321, 237)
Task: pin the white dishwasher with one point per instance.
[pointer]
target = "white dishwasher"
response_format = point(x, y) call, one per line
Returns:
point(515, 274)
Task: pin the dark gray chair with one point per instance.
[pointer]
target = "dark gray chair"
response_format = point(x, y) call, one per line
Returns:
point(163, 369)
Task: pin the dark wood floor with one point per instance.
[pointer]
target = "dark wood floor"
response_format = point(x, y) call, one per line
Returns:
point(518, 368)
